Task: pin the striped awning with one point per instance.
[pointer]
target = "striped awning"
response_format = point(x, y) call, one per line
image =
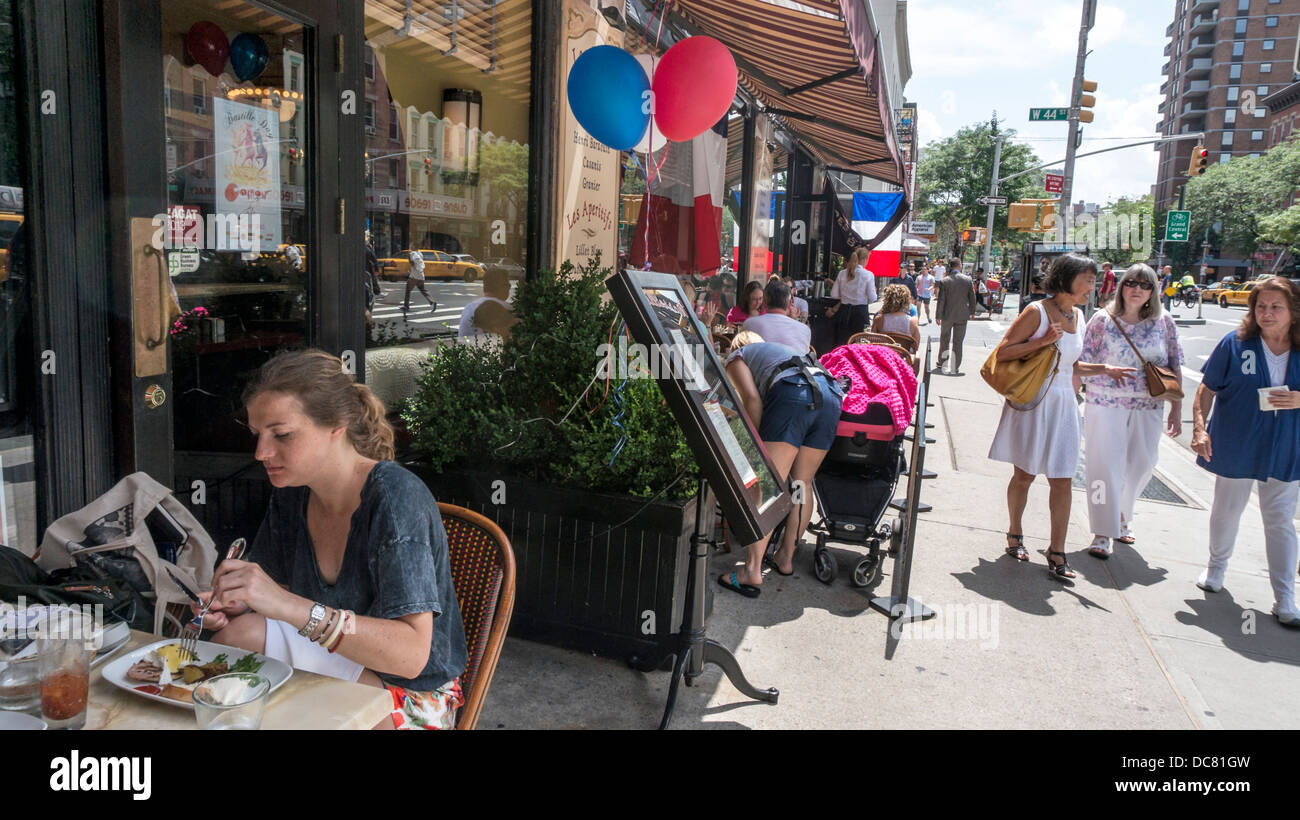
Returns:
point(813, 64)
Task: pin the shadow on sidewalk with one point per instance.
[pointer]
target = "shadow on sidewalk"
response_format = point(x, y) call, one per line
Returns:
point(1252, 633)
point(1126, 568)
point(1024, 586)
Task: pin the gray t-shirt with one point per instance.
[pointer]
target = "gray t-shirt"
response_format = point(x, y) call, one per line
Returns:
point(396, 563)
point(765, 359)
point(774, 327)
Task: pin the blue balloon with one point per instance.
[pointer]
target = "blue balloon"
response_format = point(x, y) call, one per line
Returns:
point(606, 88)
point(248, 56)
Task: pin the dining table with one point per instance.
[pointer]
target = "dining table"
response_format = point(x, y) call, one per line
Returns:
point(305, 701)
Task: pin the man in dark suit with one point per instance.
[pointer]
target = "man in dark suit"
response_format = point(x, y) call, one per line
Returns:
point(955, 306)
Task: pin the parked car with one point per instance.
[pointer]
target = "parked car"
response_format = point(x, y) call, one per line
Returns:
point(1238, 297)
point(504, 263)
point(437, 265)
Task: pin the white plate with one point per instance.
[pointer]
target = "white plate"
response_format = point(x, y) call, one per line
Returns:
point(277, 672)
point(109, 648)
point(11, 721)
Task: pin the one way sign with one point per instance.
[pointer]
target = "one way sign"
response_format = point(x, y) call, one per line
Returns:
point(992, 200)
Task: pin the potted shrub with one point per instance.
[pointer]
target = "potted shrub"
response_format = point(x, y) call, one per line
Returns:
point(587, 474)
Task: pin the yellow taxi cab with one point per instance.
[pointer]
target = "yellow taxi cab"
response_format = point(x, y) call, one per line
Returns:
point(9, 225)
point(1239, 297)
point(437, 265)
point(1212, 293)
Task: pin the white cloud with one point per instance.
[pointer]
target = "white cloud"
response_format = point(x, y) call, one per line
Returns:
point(928, 127)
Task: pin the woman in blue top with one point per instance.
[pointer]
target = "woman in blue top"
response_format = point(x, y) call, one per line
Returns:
point(349, 575)
point(1245, 445)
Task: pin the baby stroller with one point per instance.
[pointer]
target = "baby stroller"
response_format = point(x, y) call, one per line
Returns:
point(858, 478)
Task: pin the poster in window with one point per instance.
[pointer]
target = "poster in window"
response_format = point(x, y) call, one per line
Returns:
point(247, 184)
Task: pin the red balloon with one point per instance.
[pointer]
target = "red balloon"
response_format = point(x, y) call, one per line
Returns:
point(693, 86)
point(208, 46)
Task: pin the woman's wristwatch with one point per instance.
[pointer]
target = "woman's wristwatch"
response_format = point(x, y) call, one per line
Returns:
point(317, 613)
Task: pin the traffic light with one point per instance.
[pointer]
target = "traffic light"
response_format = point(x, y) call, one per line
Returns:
point(1023, 216)
point(1200, 156)
point(428, 165)
point(1087, 101)
point(968, 236)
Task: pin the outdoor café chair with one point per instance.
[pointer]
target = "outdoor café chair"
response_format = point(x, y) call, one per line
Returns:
point(483, 573)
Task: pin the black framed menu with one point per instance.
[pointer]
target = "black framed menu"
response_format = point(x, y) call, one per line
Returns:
point(703, 402)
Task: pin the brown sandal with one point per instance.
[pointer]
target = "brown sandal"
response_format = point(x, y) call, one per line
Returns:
point(1018, 551)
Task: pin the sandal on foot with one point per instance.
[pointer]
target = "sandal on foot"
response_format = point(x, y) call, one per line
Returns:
point(768, 561)
point(1126, 539)
point(728, 580)
point(1101, 548)
point(1018, 551)
point(1061, 571)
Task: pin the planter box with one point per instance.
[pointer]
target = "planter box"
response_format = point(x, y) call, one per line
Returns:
point(617, 595)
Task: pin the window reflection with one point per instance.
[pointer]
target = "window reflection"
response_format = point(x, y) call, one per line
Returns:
point(17, 463)
point(237, 230)
point(446, 171)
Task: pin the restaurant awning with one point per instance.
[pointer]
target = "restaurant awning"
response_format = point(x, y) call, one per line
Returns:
point(813, 63)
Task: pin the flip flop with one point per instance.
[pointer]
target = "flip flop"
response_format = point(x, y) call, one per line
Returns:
point(729, 581)
point(1126, 539)
point(768, 562)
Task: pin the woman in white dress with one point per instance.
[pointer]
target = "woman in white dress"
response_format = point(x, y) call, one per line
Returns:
point(1044, 437)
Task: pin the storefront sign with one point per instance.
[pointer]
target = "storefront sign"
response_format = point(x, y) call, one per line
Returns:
point(923, 227)
point(589, 171)
point(381, 200)
point(906, 122)
point(247, 179)
point(760, 247)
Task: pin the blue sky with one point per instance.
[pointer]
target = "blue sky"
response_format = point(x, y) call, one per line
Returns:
point(1010, 55)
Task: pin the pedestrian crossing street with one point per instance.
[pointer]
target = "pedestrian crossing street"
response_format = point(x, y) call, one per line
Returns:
point(419, 314)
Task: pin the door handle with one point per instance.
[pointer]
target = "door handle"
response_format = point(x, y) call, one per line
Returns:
point(164, 300)
point(151, 297)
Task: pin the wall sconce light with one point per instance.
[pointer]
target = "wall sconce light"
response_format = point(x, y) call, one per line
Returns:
point(462, 121)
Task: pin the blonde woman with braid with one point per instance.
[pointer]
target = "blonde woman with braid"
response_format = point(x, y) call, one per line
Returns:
point(349, 575)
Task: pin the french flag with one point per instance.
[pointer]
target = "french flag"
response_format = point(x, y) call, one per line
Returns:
point(877, 213)
point(681, 213)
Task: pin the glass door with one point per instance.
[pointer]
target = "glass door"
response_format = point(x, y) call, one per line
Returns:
point(242, 168)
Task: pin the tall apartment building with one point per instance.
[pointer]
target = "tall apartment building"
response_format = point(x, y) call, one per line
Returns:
point(1225, 58)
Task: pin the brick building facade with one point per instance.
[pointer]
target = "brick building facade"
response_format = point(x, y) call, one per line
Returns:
point(1225, 59)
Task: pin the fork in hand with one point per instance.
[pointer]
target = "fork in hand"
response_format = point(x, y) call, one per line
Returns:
point(190, 634)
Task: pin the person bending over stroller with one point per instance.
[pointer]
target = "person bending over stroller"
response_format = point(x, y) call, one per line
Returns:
point(795, 404)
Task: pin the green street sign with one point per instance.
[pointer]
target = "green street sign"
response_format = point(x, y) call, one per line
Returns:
point(1048, 114)
point(1178, 226)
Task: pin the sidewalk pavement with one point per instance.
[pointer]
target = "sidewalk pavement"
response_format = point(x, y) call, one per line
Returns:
point(1132, 644)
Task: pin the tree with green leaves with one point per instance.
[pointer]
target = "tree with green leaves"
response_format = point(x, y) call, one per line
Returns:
point(955, 172)
point(1241, 194)
point(1121, 233)
point(1282, 228)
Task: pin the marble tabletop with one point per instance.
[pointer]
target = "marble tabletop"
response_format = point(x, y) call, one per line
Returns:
point(305, 701)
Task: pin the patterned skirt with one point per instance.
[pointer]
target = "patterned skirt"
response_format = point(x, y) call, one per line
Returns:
point(427, 710)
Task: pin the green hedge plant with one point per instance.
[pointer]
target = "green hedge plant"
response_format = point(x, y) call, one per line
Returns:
point(520, 407)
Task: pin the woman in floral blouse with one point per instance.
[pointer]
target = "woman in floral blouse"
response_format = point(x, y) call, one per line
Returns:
point(1122, 422)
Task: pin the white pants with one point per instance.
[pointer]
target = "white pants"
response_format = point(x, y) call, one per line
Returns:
point(1122, 448)
point(1277, 504)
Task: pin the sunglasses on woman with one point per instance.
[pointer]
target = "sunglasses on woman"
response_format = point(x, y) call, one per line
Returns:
point(1137, 283)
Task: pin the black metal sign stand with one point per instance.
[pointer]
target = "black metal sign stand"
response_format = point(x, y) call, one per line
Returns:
point(898, 606)
point(690, 647)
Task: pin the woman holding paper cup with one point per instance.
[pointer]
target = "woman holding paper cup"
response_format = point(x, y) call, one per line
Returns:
point(1252, 438)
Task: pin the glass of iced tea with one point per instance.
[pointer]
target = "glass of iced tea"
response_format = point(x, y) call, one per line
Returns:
point(65, 649)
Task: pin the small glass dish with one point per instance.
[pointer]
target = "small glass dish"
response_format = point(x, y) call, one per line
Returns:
point(235, 700)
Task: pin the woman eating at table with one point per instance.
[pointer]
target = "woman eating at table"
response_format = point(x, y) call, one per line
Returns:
point(349, 575)
point(751, 304)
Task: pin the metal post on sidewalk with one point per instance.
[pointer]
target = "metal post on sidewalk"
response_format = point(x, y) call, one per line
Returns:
point(1072, 141)
point(993, 191)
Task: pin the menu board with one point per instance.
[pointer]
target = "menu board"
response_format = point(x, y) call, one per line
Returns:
point(703, 402)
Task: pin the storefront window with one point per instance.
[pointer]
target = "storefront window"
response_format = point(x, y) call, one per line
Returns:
point(17, 462)
point(453, 89)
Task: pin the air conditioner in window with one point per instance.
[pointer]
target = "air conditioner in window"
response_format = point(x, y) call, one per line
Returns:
point(370, 130)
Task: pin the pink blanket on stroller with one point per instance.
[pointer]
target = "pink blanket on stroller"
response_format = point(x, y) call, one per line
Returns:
point(880, 375)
